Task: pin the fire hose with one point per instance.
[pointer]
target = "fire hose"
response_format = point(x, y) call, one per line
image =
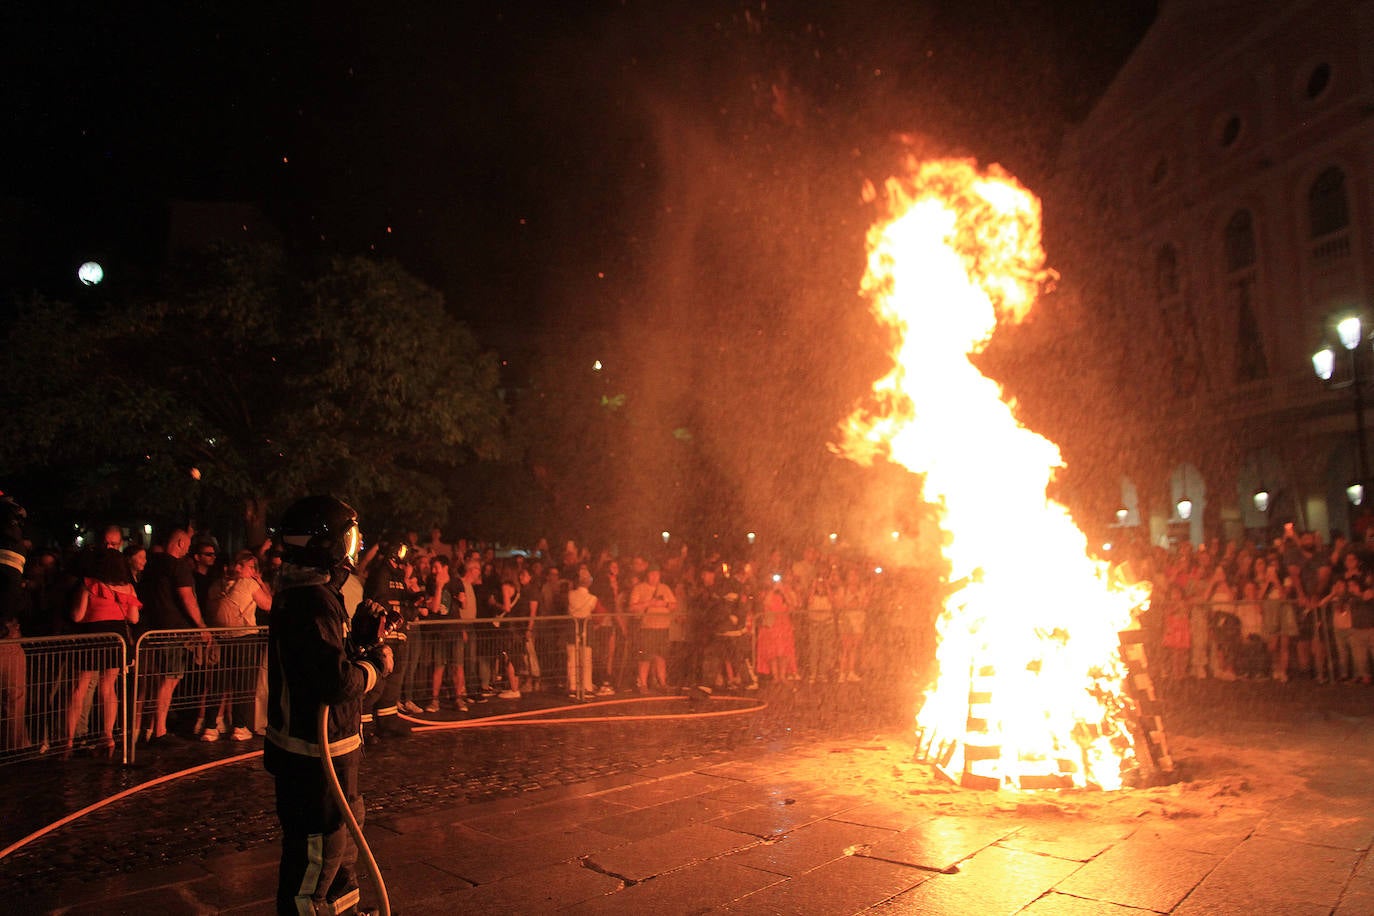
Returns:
point(354, 828)
point(372, 623)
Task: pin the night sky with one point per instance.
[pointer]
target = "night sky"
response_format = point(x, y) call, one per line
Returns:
point(514, 155)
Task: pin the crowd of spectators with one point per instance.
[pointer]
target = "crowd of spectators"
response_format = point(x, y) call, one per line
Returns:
point(568, 622)
point(596, 624)
point(1295, 607)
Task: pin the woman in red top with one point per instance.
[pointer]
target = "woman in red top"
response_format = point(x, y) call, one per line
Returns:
point(106, 603)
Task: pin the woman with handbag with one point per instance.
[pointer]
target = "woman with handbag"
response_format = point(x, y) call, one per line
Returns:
point(105, 603)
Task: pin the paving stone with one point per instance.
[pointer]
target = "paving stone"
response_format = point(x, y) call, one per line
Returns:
point(1358, 898)
point(488, 862)
point(748, 794)
point(846, 885)
point(661, 854)
point(695, 889)
point(994, 881)
point(542, 890)
point(1217, 837)
point(246, 885)
point(891, 815)
point(419, 822)
point(1274, 876)
point(694, 810)
point(128, 884)
point(669, 788)
point(1314, 820)
point(192, 897)
point(1141, 872)
point(638, 824)
point(410, 882)
point(1056, 904)
point(808, 847)
point(431, 844)
point(558, 815)
point(747, 770)
point(779, 817)
point(1078, 839)
point(940, 844)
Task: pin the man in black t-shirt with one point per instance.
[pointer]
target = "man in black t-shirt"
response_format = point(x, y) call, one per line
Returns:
point(169, 604)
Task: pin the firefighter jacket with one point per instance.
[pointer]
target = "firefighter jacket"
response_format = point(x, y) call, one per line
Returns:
point(308, 664)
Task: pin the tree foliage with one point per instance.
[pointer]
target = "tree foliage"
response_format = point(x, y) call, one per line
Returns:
point(244, 385)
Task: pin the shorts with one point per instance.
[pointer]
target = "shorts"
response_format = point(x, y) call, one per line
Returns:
point(441, 646)
point(1278, 619)
point(167, 661)
point(652, 642)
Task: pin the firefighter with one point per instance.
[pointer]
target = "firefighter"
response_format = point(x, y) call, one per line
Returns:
point(318, 658)
point(392, 586)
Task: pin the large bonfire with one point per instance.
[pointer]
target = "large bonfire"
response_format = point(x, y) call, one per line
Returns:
point(1031, 690)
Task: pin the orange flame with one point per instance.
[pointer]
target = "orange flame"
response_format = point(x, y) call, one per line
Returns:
point(1029, 688)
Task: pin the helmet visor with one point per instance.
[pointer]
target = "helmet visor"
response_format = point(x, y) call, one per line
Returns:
point(352, 546)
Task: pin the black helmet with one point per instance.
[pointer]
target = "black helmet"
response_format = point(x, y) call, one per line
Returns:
point(320, 532)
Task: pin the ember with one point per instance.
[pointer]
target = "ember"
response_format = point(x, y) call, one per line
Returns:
point(1031, 689)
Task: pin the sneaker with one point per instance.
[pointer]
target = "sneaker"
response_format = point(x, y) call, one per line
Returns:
point(242, 734)
point(210, 734)
point(753, 685)
point(411, 707)
point(434, 706)
point(462, 705)
point(605, 690)
point(508, 695)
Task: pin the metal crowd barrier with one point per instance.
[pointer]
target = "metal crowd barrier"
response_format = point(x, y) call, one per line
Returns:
point(50, 688)
point(208, 671)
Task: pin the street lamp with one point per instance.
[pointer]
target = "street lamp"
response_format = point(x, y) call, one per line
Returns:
point(1350, 331)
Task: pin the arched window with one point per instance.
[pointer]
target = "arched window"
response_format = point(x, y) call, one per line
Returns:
point(1242, 289)
point(1328, 208)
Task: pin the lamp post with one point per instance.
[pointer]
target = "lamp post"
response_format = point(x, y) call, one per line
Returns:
point(1351, 333)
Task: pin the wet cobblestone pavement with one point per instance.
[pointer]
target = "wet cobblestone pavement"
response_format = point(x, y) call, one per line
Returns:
point(1284, 752)
point(229, 807)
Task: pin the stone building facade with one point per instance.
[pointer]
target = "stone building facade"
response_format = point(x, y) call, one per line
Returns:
point(1228, 168)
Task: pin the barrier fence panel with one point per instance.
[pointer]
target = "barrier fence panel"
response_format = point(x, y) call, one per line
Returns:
point(200, 673)
point(534, 650)
point(1254, 638)
point(57, 688)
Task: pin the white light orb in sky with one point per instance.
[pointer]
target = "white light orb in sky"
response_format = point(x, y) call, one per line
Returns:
point(90, 273)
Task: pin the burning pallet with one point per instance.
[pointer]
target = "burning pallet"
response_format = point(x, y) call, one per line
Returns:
point(975, 759)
